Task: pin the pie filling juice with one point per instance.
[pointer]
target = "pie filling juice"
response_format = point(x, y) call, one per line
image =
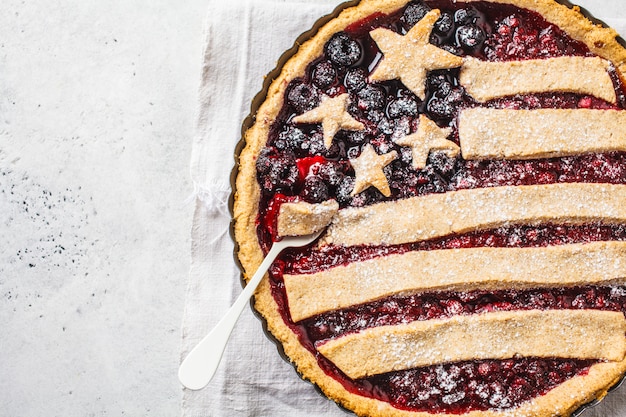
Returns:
point(296, 166)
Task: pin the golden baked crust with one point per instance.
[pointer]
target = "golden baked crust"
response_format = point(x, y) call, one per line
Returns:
point(486, 80)
point(302, 218)
point(468, 269)
point(457, 212)
point(500, 335)
point(527, 134)
point(561, 400)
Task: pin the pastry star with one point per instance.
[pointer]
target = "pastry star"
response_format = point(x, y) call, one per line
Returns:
point(428, 137)
point(368, 168)
point(334, 116)
point(410, 57)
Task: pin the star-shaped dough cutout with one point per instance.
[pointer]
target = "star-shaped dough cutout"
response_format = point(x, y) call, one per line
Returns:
point(333, 114)
point(368, 168)
point(411, 56)
point(428, 137)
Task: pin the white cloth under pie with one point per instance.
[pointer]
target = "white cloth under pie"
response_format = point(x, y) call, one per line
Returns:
point(244, 39)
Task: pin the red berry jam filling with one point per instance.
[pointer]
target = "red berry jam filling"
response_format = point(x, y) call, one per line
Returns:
point(478, 385)
point(296, 165)
point(304, 262)
point(405, 309)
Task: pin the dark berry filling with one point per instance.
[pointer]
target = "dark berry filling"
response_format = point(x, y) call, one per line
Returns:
point(295, 165)
point(304, 262)
point(478, 385)
point(404, 309)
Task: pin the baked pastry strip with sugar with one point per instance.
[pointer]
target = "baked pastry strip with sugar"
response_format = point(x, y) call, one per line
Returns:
point(486, 80)
point(487, 133)
point(436, 215)
point(455, 270)
point(579, 334)
point(302, 218)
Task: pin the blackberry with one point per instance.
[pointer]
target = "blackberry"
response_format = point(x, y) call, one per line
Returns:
point(442, 164)
point(344, 189)
point(342, 50)
point(315, 189)
point(455, 96)
point(282, 176)
point(264, 161)
point(315, 144)
point(302, 97)
point(292, 139)
point(324, 75)
point(402, 106)
point(386, 126)
point(375, 115)
point(371, 97)
point(331, 172)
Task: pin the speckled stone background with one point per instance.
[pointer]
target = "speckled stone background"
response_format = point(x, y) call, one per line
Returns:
point(97, 114)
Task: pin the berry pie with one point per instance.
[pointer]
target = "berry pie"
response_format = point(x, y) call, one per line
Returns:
point(467, 162)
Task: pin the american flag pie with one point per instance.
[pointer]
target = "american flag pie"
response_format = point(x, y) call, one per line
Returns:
point(467, 160)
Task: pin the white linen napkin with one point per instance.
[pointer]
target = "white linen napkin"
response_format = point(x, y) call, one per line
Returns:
point(244, 39)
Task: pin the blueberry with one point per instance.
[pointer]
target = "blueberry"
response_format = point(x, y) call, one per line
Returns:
point(315, 189)
point(455, 96)
point(402, 106)
point(435, 79)
point(444, 24)
point(355, 79)
point(470, 36)
point(302, 97)
point(353, 152)
point(440, 108)
point(291, 139)
point(371, 97)
point(324, 74)
point(464, 16)
point(414, 12)
point(342, 50)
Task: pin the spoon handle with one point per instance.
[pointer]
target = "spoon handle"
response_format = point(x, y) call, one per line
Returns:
point(200, 365)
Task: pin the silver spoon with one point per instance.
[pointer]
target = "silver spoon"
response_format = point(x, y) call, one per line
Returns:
point(200, 365)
